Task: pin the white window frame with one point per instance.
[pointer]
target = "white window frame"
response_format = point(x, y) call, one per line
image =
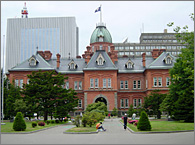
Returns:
point(96, 83)
point(122, 103)
point(134, 85)
point(104, 83)
point(16, 82)
point(80, 103)
point(126, 103)
point(21, 83)
point(126, 84)
point(139, 102)
point(91, 83)
point(67, 85)
point(139, 84)
point(167, 81)
point(109, 83)
point(80, 85)
point(154, 81)
point(135, 103)
point(160, 82)
point(121, 85)
point(75, 85)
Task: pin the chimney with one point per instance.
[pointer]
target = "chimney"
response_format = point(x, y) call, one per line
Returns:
point(41, 53)
point(58, 60)
point(165, 30)
point(48, 55)
point(144, 59)
point(78, 56)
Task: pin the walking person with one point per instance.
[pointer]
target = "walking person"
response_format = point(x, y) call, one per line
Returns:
point(125, 121)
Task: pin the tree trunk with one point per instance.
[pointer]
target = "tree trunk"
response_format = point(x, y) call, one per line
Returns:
point(45, 115)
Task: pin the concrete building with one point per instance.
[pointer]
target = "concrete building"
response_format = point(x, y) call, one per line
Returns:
point(100, 75)
point(26, 35)
point(148, 42)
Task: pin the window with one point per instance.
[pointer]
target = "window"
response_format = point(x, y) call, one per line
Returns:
point(126, 53)
point(131, 47)
point(21, 83)
point(80, 103)
point(100, 47)
point(139, 102)
point(126, 84)
point(122, 103)
point(109, 82)
point(129, 65)
point(72, 66)
point(101, 39)
point(134, 103)
point(167, 81)
point(139, 84)
point(27, 81)
point(155, 82)
point(126, 103)
point(75, 85)
point(91, 83)
point(32, 62)
point(16, 82)
point(108, 48)
point(100, 60)
point(96, 83)
point(67, 85)
point(159, 81)
point(134, 84)
point(80, 85)
point(104, 83)
point(168, 60)
point(121, 84)
point(146, 83)
point(92, 48)
point(147, 47)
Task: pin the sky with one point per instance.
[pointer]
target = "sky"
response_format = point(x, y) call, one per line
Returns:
point(124, 19)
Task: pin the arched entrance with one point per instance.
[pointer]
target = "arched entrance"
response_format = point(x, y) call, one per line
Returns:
point(101, 99)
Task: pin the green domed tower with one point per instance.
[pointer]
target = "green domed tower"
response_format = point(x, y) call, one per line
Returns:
point(100, 34)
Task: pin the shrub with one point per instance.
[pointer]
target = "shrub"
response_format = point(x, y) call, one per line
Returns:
point(41, 123)
point(19, 123)
point(48, 122)
point(144, 123)
point(57, 121)
point(77, 120)
point(34, 124)
point(52, 121)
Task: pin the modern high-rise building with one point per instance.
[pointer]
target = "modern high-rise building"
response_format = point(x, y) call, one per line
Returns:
point(149, 42)
point(26, 35)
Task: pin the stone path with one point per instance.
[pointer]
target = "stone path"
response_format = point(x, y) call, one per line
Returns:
point(115, 134)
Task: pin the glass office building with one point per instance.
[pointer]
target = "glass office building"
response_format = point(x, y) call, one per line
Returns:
point(25, 36)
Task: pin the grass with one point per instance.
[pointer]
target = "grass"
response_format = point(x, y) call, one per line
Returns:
point(83, 129)
point(166, 126)
point(8, 127)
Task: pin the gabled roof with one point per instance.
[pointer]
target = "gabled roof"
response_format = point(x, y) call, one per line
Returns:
point(24, 66)
point(108, 64)
point(159, 63)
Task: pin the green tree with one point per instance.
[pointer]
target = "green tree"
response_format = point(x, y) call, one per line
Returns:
point(98, 107)
point(131, 111)
point(144, 123)
point(66, 102)
point(43, 91)
point(20, 106)
point(180, 101)
point(115, 112)
point(153, 101)
point(19, 123)
point(11, 94)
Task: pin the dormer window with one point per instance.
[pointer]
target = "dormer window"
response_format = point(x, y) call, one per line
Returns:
point(101, 39)
point(168, 59)
point(72, 65)
point(100, 60)
point(33, 61)
point(129, 64)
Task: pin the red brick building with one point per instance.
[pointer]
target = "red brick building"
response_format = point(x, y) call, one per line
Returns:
point(101, 76)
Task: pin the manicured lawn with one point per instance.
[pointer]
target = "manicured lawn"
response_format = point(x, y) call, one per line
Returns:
point(8, 127)
point(166, 126)
point(83, 129)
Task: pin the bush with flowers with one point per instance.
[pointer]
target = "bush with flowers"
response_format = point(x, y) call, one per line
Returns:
point(41, 123)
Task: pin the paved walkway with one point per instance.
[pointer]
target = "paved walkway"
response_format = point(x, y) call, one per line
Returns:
point(115, 134)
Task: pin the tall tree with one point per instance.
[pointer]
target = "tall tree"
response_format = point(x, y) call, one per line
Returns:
point(44, 89)
point(153, 101)
point(180, 100)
